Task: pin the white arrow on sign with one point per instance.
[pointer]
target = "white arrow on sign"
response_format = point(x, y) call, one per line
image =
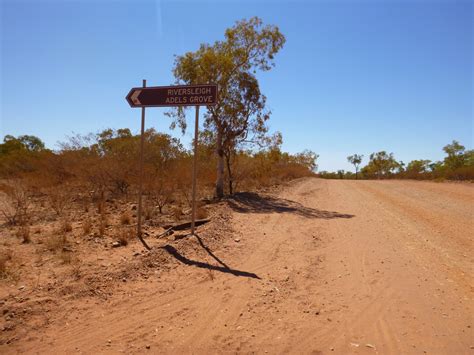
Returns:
point(134, 97)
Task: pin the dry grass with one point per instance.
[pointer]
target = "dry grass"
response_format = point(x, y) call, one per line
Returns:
point(57, 241)
point(66, 257)
point(86, 226)
point(148, 212)
point(15, 202)
point(5, 257)
point(9, 269)
point(103, 220)
point(76, 272)
point(201, 213)
point(210, 274)
point(125, 218)
point(101, 207)
point(177, 212)
point(85, 205)
point(23, 233)
point(66, 226)
point(124, 235)
point(103, 223)
point(59, 198)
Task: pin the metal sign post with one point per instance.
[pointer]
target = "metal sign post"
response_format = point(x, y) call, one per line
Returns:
point(140, 184)
point(169, 96)
point(196, 133)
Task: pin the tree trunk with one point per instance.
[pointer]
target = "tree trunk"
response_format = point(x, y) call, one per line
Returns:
point(229, 172)
point(220, 165)
point(356, 173)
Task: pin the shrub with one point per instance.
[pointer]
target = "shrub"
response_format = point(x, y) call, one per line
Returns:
point(463, 173)
point(65, 257)
point(59, 197)
point(86, 226)
point(66, 226)
point(23, 232)
point(148, 212)
point(160, 190)
point(124, 235)
point(103, 223)
point(177, 212)
point(201, 213)
point(5, 257)
point(57, 241)
point(125, 218)
point(14, 205)
point(101, 207)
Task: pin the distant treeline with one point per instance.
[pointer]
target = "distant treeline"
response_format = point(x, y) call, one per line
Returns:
point(108, 163)
point(457, 165)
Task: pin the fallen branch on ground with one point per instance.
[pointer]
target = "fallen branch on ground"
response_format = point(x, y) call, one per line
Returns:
point(182, 226)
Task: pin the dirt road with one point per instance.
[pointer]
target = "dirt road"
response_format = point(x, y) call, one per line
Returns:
point(325, 266)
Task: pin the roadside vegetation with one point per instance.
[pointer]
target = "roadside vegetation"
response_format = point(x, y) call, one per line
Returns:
point(68, 217)
point(91, 183)
point(457, 165)
point(96, 167)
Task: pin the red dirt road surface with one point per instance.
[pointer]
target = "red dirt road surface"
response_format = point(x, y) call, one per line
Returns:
point(323, 266)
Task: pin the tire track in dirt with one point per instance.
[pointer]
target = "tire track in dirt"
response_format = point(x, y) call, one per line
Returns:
point(396, 286)
point(447, 235)
point(444, 213)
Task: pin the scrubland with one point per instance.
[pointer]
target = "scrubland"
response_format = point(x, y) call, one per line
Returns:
point(69, 217)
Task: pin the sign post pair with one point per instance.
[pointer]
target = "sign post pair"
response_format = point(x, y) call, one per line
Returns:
point(170, 96)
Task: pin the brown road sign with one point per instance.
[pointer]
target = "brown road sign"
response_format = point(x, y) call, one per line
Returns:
point(178, 95)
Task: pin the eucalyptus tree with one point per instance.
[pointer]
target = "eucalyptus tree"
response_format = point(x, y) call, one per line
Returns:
point(381, 165)
point(355, 160)
point(456, 157)
point(232, 63)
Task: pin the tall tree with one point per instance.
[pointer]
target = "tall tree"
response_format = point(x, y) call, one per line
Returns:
point(20, 154)
point(355, 160)
point(381, 164)
point(307, 158)
point(248, 46)
point(26, 142)
point(418, 166)
point(455, 158)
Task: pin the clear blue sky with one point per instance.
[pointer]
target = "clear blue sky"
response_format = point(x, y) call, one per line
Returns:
point(353, 77)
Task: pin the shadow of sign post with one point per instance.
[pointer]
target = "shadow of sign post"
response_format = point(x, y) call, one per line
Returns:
point(172, 251)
